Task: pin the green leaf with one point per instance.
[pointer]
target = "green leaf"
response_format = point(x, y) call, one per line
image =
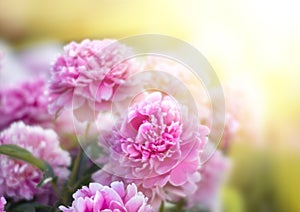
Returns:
point(31, 207)
point(24, 155)
point(23, 207)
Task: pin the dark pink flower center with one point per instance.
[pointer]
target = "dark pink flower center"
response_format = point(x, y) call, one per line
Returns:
point(154, 130)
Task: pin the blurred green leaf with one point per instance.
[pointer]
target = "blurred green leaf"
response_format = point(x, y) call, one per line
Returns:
point(24, 155)
point(31, 207)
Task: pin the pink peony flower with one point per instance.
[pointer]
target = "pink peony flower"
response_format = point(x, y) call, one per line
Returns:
point(26, 102)
point(2, 204)
point(213, 174)
point(97, 197)
point(157, 147)
point(19, 179)
point(87, 76)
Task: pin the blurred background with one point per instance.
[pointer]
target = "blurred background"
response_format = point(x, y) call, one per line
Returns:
point(253, 44)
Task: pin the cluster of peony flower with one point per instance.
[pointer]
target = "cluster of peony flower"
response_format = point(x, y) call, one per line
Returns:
point(25, 102)
point(18, 179)
point(153, 150)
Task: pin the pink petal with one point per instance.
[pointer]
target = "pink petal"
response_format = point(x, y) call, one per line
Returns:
point(135, 203)
point(119, 188)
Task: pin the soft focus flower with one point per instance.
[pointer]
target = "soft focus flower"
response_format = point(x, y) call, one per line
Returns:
point(229, 133)
point(11, 71)
point(37, 59)
point(180, 80)
point(157, 146)
point(26, 102)
point(19, 179)
point(242, 104)
point(213, 174)
point(2, 204)
point(97, 197)
point(1, 57)
point(87, 76)
point(229, 121)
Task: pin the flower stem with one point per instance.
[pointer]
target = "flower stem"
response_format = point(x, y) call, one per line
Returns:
point(55, 189)
point(162, 207)
point(74, 173)
point(87, 129)
point(179, 205)
point(75, 168)
point(66, 192)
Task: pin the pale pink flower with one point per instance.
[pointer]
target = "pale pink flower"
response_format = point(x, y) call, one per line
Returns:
point(117, 197)
point(37, 58)
point(19, 179)
point(213, 174)
point(26, 102)
point(2, 204)
point(1, 57)
point(200, 96)
point(245, 106)
point(157, 146)
point(231, 128)
point(181, 81)
point(229, 121)
point(67, 128)
point(11, 71)
point(87, 76)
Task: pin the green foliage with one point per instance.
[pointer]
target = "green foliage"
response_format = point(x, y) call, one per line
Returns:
point(24, 155)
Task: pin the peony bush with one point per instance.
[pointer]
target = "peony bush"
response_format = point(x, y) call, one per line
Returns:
point(133, 153)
